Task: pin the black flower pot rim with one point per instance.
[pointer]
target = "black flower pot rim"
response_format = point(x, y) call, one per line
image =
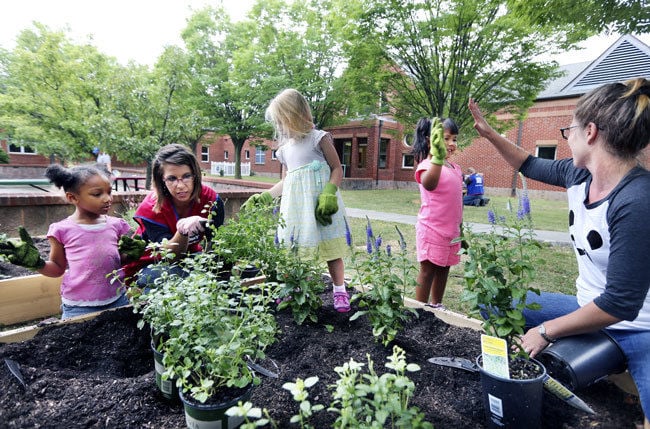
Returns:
point(537, 379)
point(220, 405)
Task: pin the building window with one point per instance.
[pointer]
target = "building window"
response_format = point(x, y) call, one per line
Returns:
point(260, 155)
point(225, 154)
point(546, 152)
point(362, 152)
point(383, 153)
point(408, 161)
point(205, 154)
point(247, 154)
point(20, 149)
point(274, 155)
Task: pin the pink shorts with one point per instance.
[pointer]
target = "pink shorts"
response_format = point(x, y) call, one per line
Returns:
point(435, 249)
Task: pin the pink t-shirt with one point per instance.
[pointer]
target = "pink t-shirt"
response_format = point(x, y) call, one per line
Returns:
point(92, 253)
point(441, 210)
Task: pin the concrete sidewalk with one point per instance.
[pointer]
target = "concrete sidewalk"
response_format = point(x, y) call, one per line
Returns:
point(552, 237)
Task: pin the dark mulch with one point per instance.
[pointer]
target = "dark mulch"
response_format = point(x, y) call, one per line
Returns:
point(100, 374)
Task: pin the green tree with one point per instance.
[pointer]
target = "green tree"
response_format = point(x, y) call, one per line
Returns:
point(436, 54)
point(233, 104)
point(587, 17)
point(51, 93)
point(299, 45)
point(147, 109)
point(242, 66)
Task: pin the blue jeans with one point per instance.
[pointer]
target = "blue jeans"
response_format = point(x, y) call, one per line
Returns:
point(77, 310)
point(635, 344)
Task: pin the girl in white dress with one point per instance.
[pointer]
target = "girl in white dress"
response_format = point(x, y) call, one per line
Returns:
point(311, 205)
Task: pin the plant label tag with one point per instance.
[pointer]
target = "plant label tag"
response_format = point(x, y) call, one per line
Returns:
point(494, 351)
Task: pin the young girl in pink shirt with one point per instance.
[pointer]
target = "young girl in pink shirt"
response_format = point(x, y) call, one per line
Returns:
point(84, 246)
point(441, 211)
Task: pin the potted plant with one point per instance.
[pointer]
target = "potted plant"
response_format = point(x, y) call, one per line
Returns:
point(498, 272)
point(246, 243)
point(219, 330)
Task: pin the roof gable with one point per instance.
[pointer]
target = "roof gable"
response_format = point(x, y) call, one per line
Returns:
point(627, 58)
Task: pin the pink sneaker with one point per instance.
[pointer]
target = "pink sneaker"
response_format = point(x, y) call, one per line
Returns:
point(341, 302)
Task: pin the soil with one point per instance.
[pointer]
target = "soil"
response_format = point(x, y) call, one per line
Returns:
point(100, 374)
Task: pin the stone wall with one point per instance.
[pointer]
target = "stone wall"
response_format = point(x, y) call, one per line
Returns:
point(36, 212)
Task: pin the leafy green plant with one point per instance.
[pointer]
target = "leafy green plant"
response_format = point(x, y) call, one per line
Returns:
point(306, 409)
point(210, 329)
point(383, 276)
point(376, 401)
point(221, 328)
point(300, 285)
point(499, 271)
point(247, 239)
point(361, 400)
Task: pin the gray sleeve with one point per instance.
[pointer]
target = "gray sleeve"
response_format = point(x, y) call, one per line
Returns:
point(558, 173)
point(628, 269)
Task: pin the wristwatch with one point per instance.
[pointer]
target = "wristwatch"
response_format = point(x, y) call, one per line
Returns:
point(542, 332)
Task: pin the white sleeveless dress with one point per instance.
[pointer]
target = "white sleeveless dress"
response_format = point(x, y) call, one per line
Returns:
point(307, 174)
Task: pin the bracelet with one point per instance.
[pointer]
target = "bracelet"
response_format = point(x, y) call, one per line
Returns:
point(542, 333)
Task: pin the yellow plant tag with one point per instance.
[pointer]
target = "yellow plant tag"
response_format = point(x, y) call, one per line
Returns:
point(494, 351)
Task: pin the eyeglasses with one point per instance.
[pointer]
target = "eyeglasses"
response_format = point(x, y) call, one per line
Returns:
point(173, 180)
point(564, 130)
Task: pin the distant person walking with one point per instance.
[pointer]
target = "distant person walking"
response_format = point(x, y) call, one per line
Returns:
point(105, 159)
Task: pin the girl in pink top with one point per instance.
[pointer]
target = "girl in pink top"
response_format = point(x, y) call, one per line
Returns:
point(440, 215)
point(84, 246)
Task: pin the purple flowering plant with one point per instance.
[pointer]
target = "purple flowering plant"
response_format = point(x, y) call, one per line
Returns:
point(498, 273)
point(383, 277)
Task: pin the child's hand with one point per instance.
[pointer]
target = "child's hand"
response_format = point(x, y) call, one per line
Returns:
point(327, 201)
point(263, 199)
point(22, 251)
point(132, 247)
point(437, 146)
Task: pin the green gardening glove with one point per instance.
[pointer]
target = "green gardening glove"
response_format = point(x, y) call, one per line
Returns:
point(437, 146)
point(263, 199)
point(327, 204)
point(22, 251)
point(323, 219)
point(132, 247)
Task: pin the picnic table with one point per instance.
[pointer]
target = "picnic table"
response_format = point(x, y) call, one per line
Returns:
point(125, 180)
point(35, 183)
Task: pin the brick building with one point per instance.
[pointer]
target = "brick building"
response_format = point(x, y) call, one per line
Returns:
point(539, 133)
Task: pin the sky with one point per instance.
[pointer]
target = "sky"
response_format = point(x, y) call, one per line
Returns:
point(139, 30)
point(135, 30)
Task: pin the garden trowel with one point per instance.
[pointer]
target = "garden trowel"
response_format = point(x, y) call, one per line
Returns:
point(550, 384)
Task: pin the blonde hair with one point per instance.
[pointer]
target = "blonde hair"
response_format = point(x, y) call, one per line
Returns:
point(290, 114)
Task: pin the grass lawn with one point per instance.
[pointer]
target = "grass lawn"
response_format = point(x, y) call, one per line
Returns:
point(557, 266)
point(547, 215)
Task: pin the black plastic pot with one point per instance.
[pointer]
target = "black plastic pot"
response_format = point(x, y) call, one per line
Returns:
point(212, 416)
point(168, 387)
point(511, 403)
point(581, 360)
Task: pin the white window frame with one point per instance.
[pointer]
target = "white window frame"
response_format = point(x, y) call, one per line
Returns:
point(205, 154)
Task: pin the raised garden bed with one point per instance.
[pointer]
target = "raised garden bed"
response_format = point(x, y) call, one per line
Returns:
point(100, 373)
